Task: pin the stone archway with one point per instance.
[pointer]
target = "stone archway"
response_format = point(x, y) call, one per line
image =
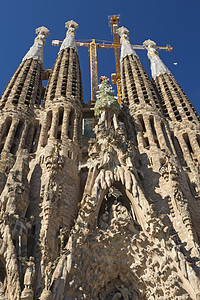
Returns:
point(116, 208)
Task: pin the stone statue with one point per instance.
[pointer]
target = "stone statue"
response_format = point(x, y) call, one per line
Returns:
point(124, 291)
point(117, 296)
point(29, 274)
point(62, 236)
point(2, 297)
point(48, 275)
point(104, 219)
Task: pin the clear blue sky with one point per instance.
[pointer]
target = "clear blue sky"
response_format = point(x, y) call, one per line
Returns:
point(174, 22)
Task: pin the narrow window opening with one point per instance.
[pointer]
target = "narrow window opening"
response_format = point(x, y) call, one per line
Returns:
point(61, 111)
point(35, 139)
point(17, 137)
point(146, 142)
point(154, 131)
point(198, 139)
point(141, 120)
point(166, 136)
point(6, 128)
point(71, 125)
point(178, 149)
point(69, 154)
point(187, 141)
point(59, 135)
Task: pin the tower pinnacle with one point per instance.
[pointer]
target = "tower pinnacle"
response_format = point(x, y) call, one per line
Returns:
point(157, 66)
point(36, 51)
point(126, 48)
point(69, 41)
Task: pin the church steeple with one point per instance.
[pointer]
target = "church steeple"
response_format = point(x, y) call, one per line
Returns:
point(176, 104)
point(65, 81)
point(135, 82)
point(25, 86)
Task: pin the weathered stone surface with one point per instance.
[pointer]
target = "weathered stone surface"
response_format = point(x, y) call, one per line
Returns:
point(115, 216)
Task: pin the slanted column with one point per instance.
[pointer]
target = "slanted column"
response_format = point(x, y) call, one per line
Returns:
point(31, 134)
point(11, 135)
point(140, 140)
point(65, 124)
point(24, 135)
point(54, 125)
point(160, 134)
point(70, 77)
point(1, 129)
point(43, 137)
point(149, 131)
point(75, 138)
point(185, 150)
point(195, 147)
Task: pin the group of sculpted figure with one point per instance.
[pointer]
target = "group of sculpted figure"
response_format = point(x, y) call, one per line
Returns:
point(118, 214)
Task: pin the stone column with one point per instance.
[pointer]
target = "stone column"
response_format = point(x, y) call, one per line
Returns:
point(185, 150)
point(75, 138)
point(24, 135)
point(149, 130)
point(54, 124)
point(11, 135)
point(31, 134)
point(65, 123)
point(195, 147)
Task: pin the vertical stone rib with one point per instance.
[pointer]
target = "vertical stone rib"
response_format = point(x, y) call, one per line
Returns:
point(54, 125)
point(70, 72)
point(185, 151)
point(149, 132)
point(65, 123)
point(75, 135)
point(61, 74)
point(137, 80)
point(51, 87)
point(160, 134)
point(24, 135)
point(10, 136)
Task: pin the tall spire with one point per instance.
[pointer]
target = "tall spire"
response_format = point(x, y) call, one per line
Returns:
point(126, 48)
point(157, 66)
point(36, 51)
point(69, 41)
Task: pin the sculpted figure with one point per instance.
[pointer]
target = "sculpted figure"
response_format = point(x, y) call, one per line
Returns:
point(120, 213)
point(48, 275)
point(62, 236)
point(104, 220)
point(117, 296)
point(30, 273)
point(2, 297)
point(124, 291)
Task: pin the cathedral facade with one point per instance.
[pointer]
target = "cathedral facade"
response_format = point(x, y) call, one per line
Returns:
point(109, 211)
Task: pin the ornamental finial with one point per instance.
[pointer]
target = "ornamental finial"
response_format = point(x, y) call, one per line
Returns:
point(36, 51)
point(123, 32)
point(157, 66)
point(69, 41)
point(126, 48)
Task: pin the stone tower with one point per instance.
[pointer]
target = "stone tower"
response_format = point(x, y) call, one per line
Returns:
point(115, 216)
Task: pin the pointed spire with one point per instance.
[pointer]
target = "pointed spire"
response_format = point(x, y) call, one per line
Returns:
point(69, 41)
point(126, 48)
point(36, 51)
point(157, 66)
